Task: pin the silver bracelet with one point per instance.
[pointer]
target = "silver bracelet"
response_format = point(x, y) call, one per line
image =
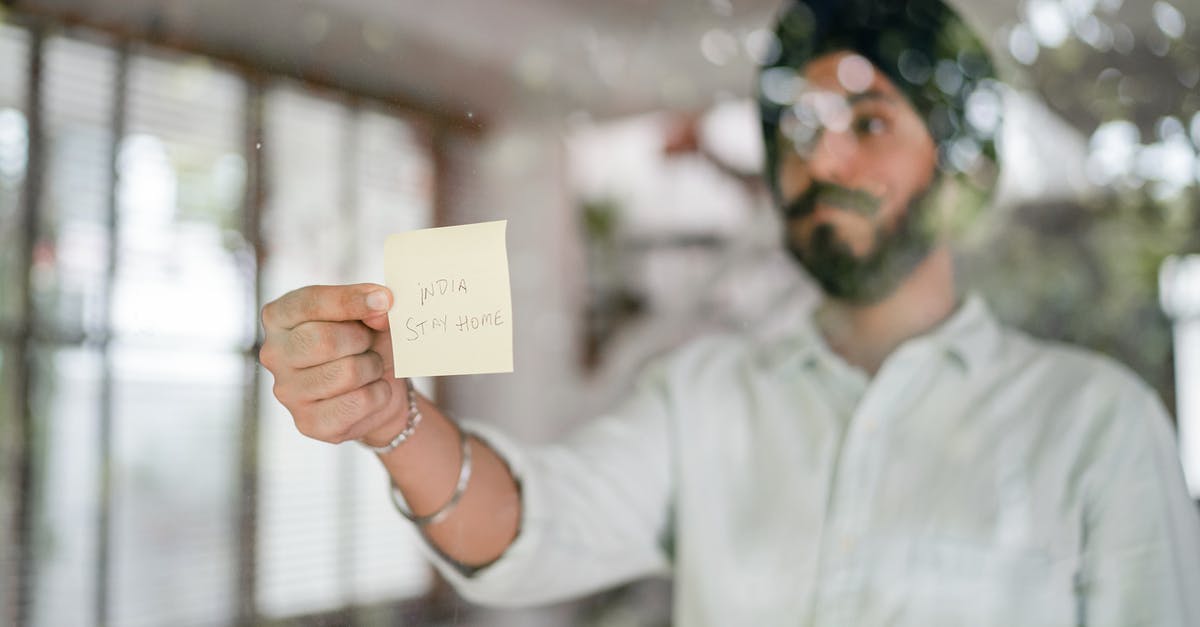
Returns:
point(414, 419)
point(464, 475)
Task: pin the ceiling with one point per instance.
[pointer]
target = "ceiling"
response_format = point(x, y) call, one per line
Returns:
point(456, 56)
point(492, 58)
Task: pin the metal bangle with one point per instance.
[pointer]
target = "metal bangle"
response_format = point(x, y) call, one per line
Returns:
point(464, 476)
point(414, 419)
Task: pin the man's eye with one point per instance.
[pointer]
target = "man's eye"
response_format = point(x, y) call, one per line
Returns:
point(870, 125)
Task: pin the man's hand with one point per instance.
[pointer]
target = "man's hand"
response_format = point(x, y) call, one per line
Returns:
point(330, 350)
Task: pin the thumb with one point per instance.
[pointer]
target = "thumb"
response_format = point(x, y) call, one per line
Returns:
point(378, 322)
point(333, 303)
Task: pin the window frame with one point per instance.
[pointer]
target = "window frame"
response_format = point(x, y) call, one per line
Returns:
point(22, 338)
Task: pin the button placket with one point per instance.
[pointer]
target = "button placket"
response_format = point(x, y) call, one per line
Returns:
point(897, 389)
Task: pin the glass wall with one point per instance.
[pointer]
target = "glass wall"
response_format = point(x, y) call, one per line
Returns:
point(144, 283)
point(342, 179)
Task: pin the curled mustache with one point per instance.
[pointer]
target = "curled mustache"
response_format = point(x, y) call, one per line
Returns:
point(833, 195)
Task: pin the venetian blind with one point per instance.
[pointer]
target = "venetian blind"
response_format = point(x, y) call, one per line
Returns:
point(340, 179)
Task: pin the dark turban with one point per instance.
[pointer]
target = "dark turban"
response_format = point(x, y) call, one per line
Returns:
point(926, 50)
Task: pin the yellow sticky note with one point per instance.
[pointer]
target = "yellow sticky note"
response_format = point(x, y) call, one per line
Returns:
point(452, 307)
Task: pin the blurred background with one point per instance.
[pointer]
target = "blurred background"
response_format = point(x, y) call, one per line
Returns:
point(168, 166)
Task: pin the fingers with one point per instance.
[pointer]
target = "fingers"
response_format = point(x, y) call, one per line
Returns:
point(334, 303)
point(330, 352)
point(313, 343)
point(397, 405)
point(382, 344)
point(347, 416)
point(329, 380)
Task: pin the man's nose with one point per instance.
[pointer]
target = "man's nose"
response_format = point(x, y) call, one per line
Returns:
point(833, 156)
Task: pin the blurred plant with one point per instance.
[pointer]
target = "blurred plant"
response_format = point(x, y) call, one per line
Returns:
point(1087, 271)
point(611, 303)
point(1132, 93)
point(1087, 276)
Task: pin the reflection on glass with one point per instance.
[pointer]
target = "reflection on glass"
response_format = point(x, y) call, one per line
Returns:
point(308, 225)
point(66, 410)
point(1082, 265)
point(13, 152)
point(1179, 282)
point(71, 250)
point(393, 186)
point(180, 320)
point(342, 180)
point(8, 497)
point(181, 181)
point(298, 525)
point(174, 485)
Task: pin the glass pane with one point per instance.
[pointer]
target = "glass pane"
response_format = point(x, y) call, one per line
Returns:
point(174, 535)
point(72, 248)
point(14, 59)
point(394, 183)
point(394, 187)
point(66, 418)
point(182, 315)
point(306, 231)
point(14, 48)
point(298, 520)
point(8, 495)
point(327, 534)
point(385, 561)
point(179, 276)
point(1179, 295)
point(328, 537)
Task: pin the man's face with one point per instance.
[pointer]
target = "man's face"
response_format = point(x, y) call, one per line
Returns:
point(854, 160)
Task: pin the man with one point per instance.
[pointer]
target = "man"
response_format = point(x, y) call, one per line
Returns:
point(902, 459)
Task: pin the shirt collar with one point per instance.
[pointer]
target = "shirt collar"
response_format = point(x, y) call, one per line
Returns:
point(968, 336)
point(971, 334)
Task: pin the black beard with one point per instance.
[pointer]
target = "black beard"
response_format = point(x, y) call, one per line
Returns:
point(830, 261)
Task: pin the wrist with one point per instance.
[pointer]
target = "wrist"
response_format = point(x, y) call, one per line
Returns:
point(401, 423)
point(383, 435)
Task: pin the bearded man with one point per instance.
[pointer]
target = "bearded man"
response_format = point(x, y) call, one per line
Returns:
point(901, 459)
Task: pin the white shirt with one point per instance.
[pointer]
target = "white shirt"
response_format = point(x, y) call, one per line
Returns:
point(980, 478)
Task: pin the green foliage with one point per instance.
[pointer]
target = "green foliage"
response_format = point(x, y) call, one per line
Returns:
point(1089, 277)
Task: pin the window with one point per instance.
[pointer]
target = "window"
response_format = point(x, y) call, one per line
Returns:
point(327, 535)
point(1179, 279)
point(69, 283)
point(181, 299)
point(14, 44)
point(145, 287)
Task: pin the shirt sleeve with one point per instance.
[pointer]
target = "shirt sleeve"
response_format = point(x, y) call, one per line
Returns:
point(594, 508)
point(1141, 554)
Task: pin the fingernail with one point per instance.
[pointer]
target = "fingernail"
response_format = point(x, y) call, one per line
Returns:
point(377, 300)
